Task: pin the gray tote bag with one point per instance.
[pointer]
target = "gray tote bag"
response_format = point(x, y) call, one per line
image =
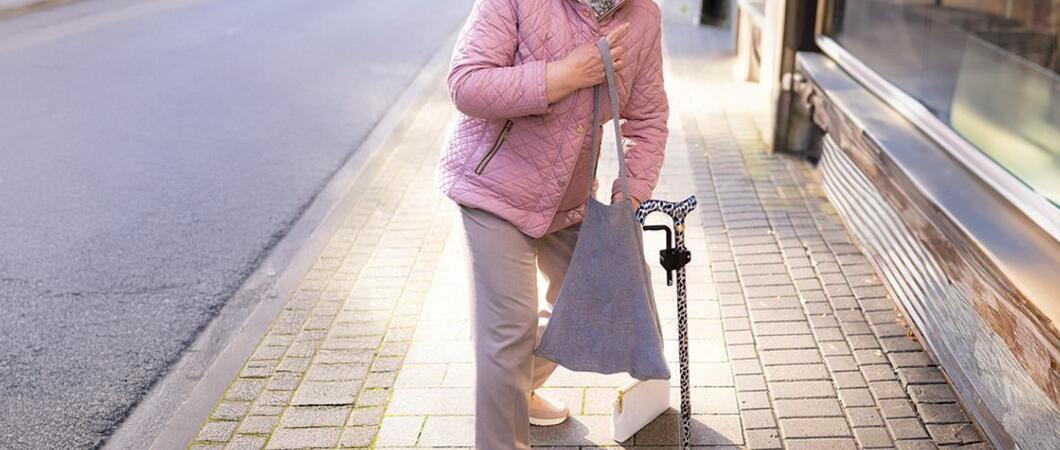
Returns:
point(605, 319)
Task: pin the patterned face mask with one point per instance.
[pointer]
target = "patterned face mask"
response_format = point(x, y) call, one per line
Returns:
point(602, 7)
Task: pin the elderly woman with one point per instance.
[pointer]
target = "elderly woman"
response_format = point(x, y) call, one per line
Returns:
point(519, 163)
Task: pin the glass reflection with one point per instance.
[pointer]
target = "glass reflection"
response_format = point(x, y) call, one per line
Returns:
point(988, 68)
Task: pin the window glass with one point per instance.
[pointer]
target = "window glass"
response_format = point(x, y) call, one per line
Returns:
point(988, 68)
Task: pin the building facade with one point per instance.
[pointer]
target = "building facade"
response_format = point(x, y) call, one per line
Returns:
point(935, 125)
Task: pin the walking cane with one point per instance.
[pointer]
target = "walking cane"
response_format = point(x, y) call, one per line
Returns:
point(674, 258)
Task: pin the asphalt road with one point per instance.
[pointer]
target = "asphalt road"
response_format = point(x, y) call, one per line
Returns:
point(151, 152)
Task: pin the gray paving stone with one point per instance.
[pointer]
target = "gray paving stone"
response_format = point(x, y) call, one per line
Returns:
point(753, 400)
point(863, 342)
point(915, 444)
point(941, 413)
point(399, 431)
point(389, 364)
point(878, 372)
point(780, 328)
point(797, 372)
point(906, 428)
point(763, 439)
point(337, 372)
point(268, 353)
point(758, 419)
point(838, 348)
point(259, 371)
point(828, 335)
point(849, 316)
point(856, 397)
point(890, 330)
point(244, 389)
point(291, 364)
point(845, 380)
point(302, 417)
point(742, 351)
point(326, 356)
point(230, 411)
point(369, 416)
point(750, 382)
point(320, 393)
point(802, 341)
point(216, 431)
point(257, 424)
point(910, 359)
point(838, 290)
point(767, 291)
point(821, 444)
point(873, 437)
point(894, 409)
point(807, 408)
point(299, 438)
point(953, 433)
point(380, 380)
point(286, 381)
point(802, 389)
point(900, 344)
point(864, 416)
point(448, 431)
point(766, 280)
point(273, 398)
point(887, 390)
point(856, 328)
point(841, 363)
point(921, 375)
point(746, 367)
point(877, 304)
point(864, 357)
point(788, 357)
point(244, 442)
point(819, 427)
point(352, 343)
point(258, 409)
point(822, 320)
point(932, 393)
point(431, 401)
point(358, 437)
point(869, 292)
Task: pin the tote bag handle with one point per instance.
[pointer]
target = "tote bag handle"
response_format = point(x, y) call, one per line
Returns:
point(609, 71)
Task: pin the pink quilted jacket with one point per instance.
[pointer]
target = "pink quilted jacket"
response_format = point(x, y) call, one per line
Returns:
point(513, 154)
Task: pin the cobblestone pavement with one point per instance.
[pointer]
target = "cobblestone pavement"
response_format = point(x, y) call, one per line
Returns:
point(795, 342)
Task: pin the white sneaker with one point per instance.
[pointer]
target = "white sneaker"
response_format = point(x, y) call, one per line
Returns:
point(547, 412)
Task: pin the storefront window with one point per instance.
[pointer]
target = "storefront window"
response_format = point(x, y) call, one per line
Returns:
point(987, 68)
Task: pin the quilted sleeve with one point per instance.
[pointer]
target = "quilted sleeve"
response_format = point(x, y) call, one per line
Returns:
point(644, 131)
point(482, 80)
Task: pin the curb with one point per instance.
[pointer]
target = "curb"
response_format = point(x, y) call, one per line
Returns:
point(20, 7)
point(171, 414)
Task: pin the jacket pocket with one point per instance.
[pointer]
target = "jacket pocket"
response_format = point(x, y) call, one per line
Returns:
point(503, 136)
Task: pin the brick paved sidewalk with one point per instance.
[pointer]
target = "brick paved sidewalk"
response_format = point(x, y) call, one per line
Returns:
point(795, 343)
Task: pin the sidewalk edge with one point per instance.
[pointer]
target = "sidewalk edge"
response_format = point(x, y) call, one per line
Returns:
point(7, 12)
point(170, 415)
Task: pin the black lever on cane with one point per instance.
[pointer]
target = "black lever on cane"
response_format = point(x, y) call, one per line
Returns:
point(670, 258)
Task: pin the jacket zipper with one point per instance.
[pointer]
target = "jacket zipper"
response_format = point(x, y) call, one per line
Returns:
point(493, 150)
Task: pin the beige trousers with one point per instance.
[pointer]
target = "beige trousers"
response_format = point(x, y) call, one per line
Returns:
point(507, 322)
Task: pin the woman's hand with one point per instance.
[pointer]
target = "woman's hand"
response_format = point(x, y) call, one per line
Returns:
point(583, 67)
